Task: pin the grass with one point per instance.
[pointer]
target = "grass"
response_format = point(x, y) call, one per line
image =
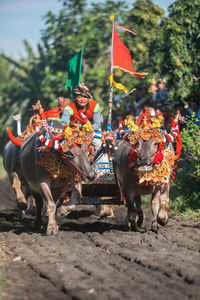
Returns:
point(2, 170)
point(178, 206)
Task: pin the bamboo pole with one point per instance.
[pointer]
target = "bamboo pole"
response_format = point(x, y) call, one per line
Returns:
point(109, 127)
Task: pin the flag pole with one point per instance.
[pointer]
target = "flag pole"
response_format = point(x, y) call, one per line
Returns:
point(111, 86)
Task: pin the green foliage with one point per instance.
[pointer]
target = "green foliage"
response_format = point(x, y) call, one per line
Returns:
point(181, 63)
point(2, 170)
point(191, 146)
point(186, 189)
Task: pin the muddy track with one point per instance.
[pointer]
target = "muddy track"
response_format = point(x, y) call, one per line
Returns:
point(94, 258)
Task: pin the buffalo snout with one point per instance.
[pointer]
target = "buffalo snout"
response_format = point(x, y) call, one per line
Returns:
point(144, 160)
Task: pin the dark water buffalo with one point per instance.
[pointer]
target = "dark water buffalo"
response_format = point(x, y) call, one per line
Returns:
point(12, 166)
point(43, 185)
point(127, 179)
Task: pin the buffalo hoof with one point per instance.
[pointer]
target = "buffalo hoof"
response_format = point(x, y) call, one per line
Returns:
point(64, 210)
point(140, 217)
point(52, 229)
point(162, 217)
point(154, 227)
point(22, 205)
point(136, 228)
point(162, 222)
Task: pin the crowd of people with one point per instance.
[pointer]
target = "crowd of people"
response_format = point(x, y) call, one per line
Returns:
point(187, 107)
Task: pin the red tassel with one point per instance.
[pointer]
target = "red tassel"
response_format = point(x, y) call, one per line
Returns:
point(158, 157)
point(132, 156)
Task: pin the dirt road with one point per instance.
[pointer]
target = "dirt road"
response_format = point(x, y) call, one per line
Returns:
point(94, 258)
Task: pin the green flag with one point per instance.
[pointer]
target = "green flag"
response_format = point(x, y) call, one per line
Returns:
point(74, 71)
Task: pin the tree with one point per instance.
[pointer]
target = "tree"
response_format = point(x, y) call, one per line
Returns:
point(181, 48)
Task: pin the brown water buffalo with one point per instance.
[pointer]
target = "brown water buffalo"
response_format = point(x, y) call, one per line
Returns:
point(127, 179)
point(42, 184)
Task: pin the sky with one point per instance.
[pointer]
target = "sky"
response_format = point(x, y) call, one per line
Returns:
point(23, 19)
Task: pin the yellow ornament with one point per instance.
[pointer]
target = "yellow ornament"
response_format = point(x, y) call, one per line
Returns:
point(157, 122)
point(145, 121)
point(87, 127)
point(112, 18)
point(67, 132)
point(131, 125)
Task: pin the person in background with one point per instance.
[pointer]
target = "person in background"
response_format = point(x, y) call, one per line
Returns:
point(153, 89)
point(161, 96)
point(85, 103)
point(62, 103)
point(195, 108)
point(141, 100)
point(184, 111)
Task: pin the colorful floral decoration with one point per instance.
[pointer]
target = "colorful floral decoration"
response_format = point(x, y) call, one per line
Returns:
point(109, 141)
point(157, 122)
point(149, 127)
point(53, 163)
point(67, 132)
point(54, 149)
point(87, 127)
point(130, 124)
point(162, 170)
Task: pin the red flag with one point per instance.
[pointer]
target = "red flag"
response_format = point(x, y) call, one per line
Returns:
point(122, 57)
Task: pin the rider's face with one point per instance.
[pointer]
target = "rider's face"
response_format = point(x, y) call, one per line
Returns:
point(82, 101)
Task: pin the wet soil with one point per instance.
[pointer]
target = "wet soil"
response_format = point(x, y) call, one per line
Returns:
point(93, 258)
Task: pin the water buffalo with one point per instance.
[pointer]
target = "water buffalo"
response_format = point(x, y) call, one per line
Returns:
point(12, 166)
point(42, 184)
point(128, 177)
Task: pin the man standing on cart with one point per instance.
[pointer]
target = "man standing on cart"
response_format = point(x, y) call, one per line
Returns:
point(85, 103)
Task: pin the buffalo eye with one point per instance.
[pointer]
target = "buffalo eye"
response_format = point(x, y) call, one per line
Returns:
point(137, 144)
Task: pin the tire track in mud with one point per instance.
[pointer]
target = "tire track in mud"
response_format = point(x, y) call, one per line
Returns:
point(94, 258)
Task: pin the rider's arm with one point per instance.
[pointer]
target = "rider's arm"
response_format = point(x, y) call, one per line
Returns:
point(96, 124)
point(67, 113)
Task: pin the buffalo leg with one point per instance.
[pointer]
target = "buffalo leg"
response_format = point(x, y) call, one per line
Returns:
point(39, 204)
point(155, 209)
point(132, 214)
point(52, 227)
point(16, 185)
point(107, 211)
point(164, 206)
point(137, 200)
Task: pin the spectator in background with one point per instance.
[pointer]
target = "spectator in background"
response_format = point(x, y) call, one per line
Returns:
point(184, 111)
point(141, 101)
point(179, 105)
point(161, 96)
point(153, 89)
point(62, 103)
point(195, 107)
